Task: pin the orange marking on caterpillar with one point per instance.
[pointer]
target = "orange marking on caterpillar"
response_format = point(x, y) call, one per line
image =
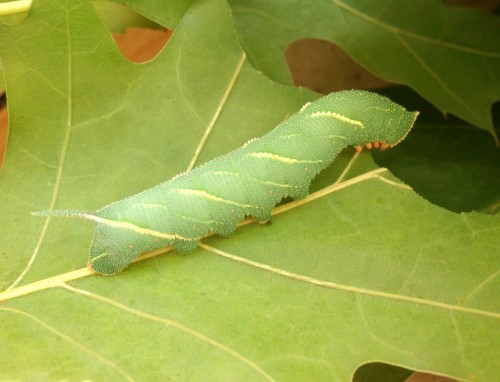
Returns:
point(370, 145)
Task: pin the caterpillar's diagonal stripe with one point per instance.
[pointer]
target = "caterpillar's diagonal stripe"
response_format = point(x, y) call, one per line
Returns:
point(215, 196)
point(136, 229)
point(180, 216)
point(267, 182)
point(282, 159)
point(150, 205)
point(340, 117)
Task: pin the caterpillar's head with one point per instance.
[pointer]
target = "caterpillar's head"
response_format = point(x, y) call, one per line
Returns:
point(388, 127)
point(383, 127)
point(363, 118)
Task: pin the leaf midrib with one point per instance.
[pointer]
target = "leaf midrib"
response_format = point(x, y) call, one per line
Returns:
point(62, 160)
point(414, 36)
point(50, 282)
point(62, 279)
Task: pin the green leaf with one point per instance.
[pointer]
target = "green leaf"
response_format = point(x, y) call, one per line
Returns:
point(380, 372)
point(363, 270)
point(119, 17)
point(455, 167)
point(2, 81)
point(165, 13)
point(451, 56)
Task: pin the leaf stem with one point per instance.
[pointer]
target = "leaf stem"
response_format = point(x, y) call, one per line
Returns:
point(57, 281)
point(50, 282)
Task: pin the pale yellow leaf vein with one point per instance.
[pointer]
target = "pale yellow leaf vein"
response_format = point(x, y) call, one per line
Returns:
point(376, 337)
point(351, 289)
point(479, 287)
point(178, 65)
point(64, 152)
point(459, 340)
point(467, 224)
point(173, 324)
point(216, 115)
point(416, 264)
point(347, 168)
point(69, 340)
point(84, 272)
point(401, 32)
point(325, 191)
point(50, 282)
point(37, 159)
point(493, 209)
point(437, 78)
point(393, 183)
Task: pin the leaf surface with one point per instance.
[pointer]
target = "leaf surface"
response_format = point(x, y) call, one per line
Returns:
point(451, 56)
point(363, 270)
point(118, 16)
point(166, 13)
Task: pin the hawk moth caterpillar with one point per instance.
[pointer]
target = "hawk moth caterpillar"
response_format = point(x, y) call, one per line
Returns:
point(248, 181)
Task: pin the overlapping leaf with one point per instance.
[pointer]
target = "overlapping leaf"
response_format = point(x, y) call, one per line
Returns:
point(451, 56)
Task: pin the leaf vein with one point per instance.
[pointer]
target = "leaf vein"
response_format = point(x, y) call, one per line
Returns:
point(349, 288)
point(69, 339)
point(171, 323)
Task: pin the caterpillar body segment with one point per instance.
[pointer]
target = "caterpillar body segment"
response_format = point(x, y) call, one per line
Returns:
point(248, 181)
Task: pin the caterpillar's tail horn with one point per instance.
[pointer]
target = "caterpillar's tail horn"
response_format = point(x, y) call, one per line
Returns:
point(86, 215)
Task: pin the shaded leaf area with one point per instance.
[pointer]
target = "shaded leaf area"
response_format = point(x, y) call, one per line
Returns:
point(118, 16)
point(165, 13)
point(368, 270)
point(447, 162)
point(2, 81)
point(379, 372)
point(451, 56)
point(456, 168)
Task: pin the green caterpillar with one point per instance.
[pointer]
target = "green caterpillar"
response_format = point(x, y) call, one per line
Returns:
point(248, 181)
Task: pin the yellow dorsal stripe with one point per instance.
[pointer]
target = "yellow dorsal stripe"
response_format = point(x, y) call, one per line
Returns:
point(215, 198)
point(282, 159)
point(149, 205)
point(268, 182)
point(136, 228)
point(338, 116)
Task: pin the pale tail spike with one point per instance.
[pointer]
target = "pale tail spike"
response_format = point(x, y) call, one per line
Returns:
point(85, 215)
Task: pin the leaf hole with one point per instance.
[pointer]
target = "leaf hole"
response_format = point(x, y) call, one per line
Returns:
point(4, 125)
point(140, 44)
point(325, 67)
point(138, 38)
point(378, 371)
